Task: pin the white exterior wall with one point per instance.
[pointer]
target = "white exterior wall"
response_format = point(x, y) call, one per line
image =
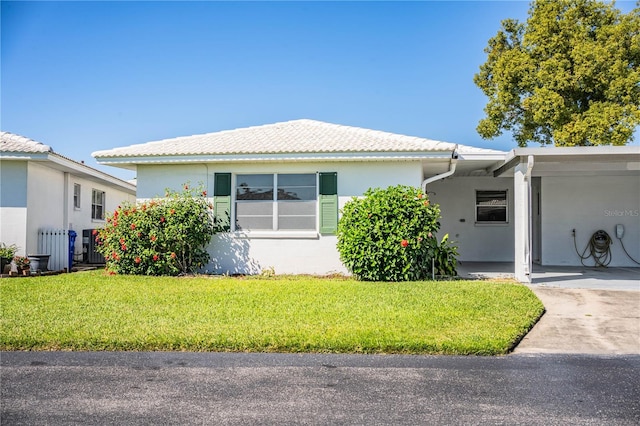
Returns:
point(36, 196)
point(476, 242)
point(233, 253)
point(13, 204)
point(588, 204)
point(45, 202)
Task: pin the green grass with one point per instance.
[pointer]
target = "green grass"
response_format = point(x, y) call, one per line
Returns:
point(93, 311)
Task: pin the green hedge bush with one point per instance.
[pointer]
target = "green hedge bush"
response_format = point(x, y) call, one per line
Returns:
point(164, 236)
point(389, 235)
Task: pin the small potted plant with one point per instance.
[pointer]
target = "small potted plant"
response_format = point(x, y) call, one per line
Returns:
point(6, 254)
point(23, 264)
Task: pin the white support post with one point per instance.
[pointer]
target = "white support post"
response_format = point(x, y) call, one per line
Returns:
point(522, 220)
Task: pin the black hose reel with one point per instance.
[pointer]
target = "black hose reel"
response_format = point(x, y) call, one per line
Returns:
point(598, 248)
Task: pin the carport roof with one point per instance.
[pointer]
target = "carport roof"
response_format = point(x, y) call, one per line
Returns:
point(586, 159)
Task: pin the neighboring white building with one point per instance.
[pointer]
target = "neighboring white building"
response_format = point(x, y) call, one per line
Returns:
point(517, 206)
point(40, 189)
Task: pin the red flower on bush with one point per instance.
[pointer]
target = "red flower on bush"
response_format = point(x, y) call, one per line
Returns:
point(162, 219)
point(204, 193)
point(123, 247)
point(153, 238)
point(95, 232)
point(426, 203)
point(172, 211)
point(186, 187)
point(173, 255)
point(133, 226)
point(137, 259)
point(155, 257)
point(404, 243)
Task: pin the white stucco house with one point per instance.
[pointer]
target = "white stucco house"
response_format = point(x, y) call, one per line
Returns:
point(41, 190)
point(519, 206)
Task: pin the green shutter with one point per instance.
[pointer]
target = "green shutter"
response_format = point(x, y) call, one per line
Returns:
point(222, 200)
point(328, 214)
point(222, 184)
point(222, 211)
point(328, 183)
point(328, 199)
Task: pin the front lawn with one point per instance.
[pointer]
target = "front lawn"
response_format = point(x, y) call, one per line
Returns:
point(94, 311)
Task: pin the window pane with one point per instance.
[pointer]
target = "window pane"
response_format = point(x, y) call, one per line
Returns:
point(297, 215)
point(252, 209)
point(491, 198)
point(76, 196)
point(297, 187)
point(297, 208)
point(254, 215)
point(296, 180)
point(297, 222)
point(491, 214)
point(254, 187)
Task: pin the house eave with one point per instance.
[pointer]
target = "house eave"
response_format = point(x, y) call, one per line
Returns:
point(64, 164)
point(621, 157)
point(131, 162)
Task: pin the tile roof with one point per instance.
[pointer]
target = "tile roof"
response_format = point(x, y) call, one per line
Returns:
point(290, 137)
point(10, 142)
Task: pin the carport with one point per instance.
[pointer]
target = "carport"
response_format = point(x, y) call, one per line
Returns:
point(562, 196)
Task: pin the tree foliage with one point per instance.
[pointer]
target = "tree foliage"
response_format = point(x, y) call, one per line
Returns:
point(389, 235)
point(568, 76)
point(165, 236)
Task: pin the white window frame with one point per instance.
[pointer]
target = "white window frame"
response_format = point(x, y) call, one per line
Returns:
point(478, 221)
point(77, 196)
point(275, 228)
point(95, 204)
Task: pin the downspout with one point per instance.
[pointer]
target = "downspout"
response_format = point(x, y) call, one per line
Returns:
point(528, 248)
point(452, 169)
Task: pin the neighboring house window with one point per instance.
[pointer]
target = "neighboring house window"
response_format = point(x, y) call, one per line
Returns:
point(276, 202)
point(97, 204)
point(76, 195)
point(491, 207)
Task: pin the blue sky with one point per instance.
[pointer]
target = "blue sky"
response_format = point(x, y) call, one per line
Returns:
point(87, 76)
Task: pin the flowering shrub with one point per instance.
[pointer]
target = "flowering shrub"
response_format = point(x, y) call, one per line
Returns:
point(166, 236)
point(389, 235)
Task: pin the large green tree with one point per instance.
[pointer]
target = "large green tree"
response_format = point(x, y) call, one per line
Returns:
point(568, 76)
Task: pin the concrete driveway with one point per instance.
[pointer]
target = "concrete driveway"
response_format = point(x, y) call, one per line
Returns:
point(585, 321)
point(588, 310)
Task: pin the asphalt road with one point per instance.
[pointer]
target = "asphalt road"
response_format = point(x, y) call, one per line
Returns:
point(246, 389)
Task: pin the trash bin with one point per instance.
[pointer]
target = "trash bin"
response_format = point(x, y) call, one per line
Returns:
point(72, 247)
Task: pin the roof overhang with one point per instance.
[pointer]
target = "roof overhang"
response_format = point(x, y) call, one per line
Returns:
point(63, 164)
point(132, 162)
point(567, 161)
